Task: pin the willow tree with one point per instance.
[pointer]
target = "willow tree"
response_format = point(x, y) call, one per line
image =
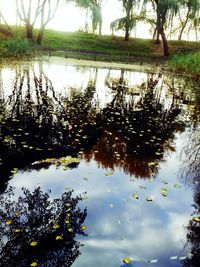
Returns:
point(127, 22)
point(95, 8)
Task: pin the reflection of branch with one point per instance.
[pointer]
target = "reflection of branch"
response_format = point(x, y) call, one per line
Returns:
point(38, 229)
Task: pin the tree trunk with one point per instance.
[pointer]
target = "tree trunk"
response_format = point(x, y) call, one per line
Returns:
point(165, 43)
point(100, 27)
point(184, 25)
point(40, 35)
point(157, 36)
point(126, 38)
point(29, 32)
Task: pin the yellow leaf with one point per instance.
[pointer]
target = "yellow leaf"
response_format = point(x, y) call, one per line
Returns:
point(8, 222)
point(33, 264)
point(17, 230)
point(127, 260)
point(56, 226)
point(196, 219)
point(33, 243)
point(84, 227)
point(58, 237)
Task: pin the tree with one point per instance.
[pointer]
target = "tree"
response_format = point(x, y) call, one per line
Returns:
point(95, 7)
point(51, 6)
point(190, 10)
point(28, 13)
point(162, 9)
point(127, 22)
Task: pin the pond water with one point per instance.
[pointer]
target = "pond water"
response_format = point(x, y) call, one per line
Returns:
point(126, 141)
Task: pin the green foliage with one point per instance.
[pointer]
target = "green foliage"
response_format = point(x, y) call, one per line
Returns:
point(17, 47)
point(188, 63)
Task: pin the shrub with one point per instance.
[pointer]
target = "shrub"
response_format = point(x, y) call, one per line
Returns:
point(17, 47)
point(189, 63)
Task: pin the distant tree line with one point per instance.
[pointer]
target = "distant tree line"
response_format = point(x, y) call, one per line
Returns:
point(167, 18)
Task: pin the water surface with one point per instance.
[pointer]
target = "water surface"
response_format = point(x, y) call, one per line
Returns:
point(134, 140)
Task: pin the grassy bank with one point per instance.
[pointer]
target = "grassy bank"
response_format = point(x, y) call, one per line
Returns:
point(188, 64)
point(103, 48)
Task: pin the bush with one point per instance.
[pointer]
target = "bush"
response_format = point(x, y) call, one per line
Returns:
point(17, 48)
point(189, 63)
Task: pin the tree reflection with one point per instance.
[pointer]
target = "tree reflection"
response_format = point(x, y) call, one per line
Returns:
point(136, 130)
point(38, 230)
point(193, 235)
point(37, 123)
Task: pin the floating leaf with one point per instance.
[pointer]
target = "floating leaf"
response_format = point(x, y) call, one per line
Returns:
point(108, 173)
point(153, 261)
point(84, 227)
point(196, 219)
point(149, 199)
point(173, 257)
point(136, 196)
point(127, 260)
point(8, 222)
point(33, 243)
point(165, 194)
point(56, 226)
point(177, 186)
point(17, 230)
point(58, 237)
point(111, 205)
point(33, 264)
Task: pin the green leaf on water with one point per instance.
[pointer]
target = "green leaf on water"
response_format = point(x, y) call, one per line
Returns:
point(108, 173)
point(177, 186)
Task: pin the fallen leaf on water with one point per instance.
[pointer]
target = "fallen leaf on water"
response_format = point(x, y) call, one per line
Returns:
point(56, 226)
point(8, 222)
point(177, 186)
point(149, 199)
point(136, 196)
point(58, 237)
point(84, 227)
point(33, 243)
point(196, 219)
point(127, 260)
point(108, 173)
point(33, 264)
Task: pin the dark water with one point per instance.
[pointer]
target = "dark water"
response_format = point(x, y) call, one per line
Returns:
point(126, 143)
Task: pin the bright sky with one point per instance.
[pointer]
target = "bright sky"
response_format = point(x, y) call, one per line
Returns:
point(71, 18)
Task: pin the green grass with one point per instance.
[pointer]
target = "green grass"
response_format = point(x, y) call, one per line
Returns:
point(103, 48)
point(188, 64)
